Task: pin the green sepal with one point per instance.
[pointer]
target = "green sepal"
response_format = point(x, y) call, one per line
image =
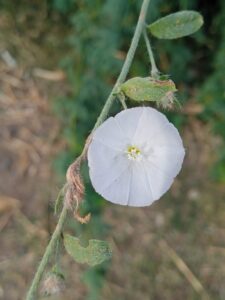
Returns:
point(176, 25)
point(95, 253)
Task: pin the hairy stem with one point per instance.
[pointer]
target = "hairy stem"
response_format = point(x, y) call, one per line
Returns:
point(105, 110)
point(48, 252)
point(127, 63)
point(154, 69)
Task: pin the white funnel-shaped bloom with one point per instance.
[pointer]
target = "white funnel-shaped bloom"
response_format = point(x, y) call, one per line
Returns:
point(134, 157)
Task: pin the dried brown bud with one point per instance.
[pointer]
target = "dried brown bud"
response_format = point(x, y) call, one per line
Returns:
point(75, 190)
point(75, 187)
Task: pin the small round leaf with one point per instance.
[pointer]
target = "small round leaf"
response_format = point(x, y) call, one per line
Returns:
point(176, 25)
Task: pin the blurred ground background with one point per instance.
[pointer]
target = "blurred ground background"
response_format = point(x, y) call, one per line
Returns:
point(58, 61)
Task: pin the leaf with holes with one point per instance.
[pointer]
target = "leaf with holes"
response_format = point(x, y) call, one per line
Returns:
point(95, 253)
point(176, 25)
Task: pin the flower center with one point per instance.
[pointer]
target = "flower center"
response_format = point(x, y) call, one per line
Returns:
point(133, 153)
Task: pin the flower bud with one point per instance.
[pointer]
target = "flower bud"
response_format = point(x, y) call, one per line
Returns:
point(149, 89)
point(53, 283)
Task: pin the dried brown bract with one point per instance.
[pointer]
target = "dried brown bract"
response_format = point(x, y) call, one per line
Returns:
point(75, 186)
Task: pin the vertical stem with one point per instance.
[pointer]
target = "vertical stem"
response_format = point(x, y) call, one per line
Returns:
point(125, 69)
point(154, 70)
point(48, 252)
point(127, 62)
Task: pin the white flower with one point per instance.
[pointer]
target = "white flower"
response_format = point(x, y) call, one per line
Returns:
point(134, 157)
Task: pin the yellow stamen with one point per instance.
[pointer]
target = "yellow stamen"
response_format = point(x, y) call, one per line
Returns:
point(134, 153)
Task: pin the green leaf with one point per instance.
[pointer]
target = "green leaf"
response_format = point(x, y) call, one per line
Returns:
point(147, 89)
point(176, 25)
point(95, 253)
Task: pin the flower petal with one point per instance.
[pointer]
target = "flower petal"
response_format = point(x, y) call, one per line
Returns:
point(105, 164)
point(150, 123)
point(140, 191)
point(118, 191)
point(110, 134)
point(167, 135)
point(167, 159)
point(159, 181)
point(128, 121)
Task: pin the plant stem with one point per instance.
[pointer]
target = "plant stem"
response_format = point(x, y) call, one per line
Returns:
point(154, 70)
point(127, 62)
point(105, 110)
point(48, 252)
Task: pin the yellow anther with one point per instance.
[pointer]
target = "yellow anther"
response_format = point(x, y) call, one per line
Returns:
point(134, 153)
